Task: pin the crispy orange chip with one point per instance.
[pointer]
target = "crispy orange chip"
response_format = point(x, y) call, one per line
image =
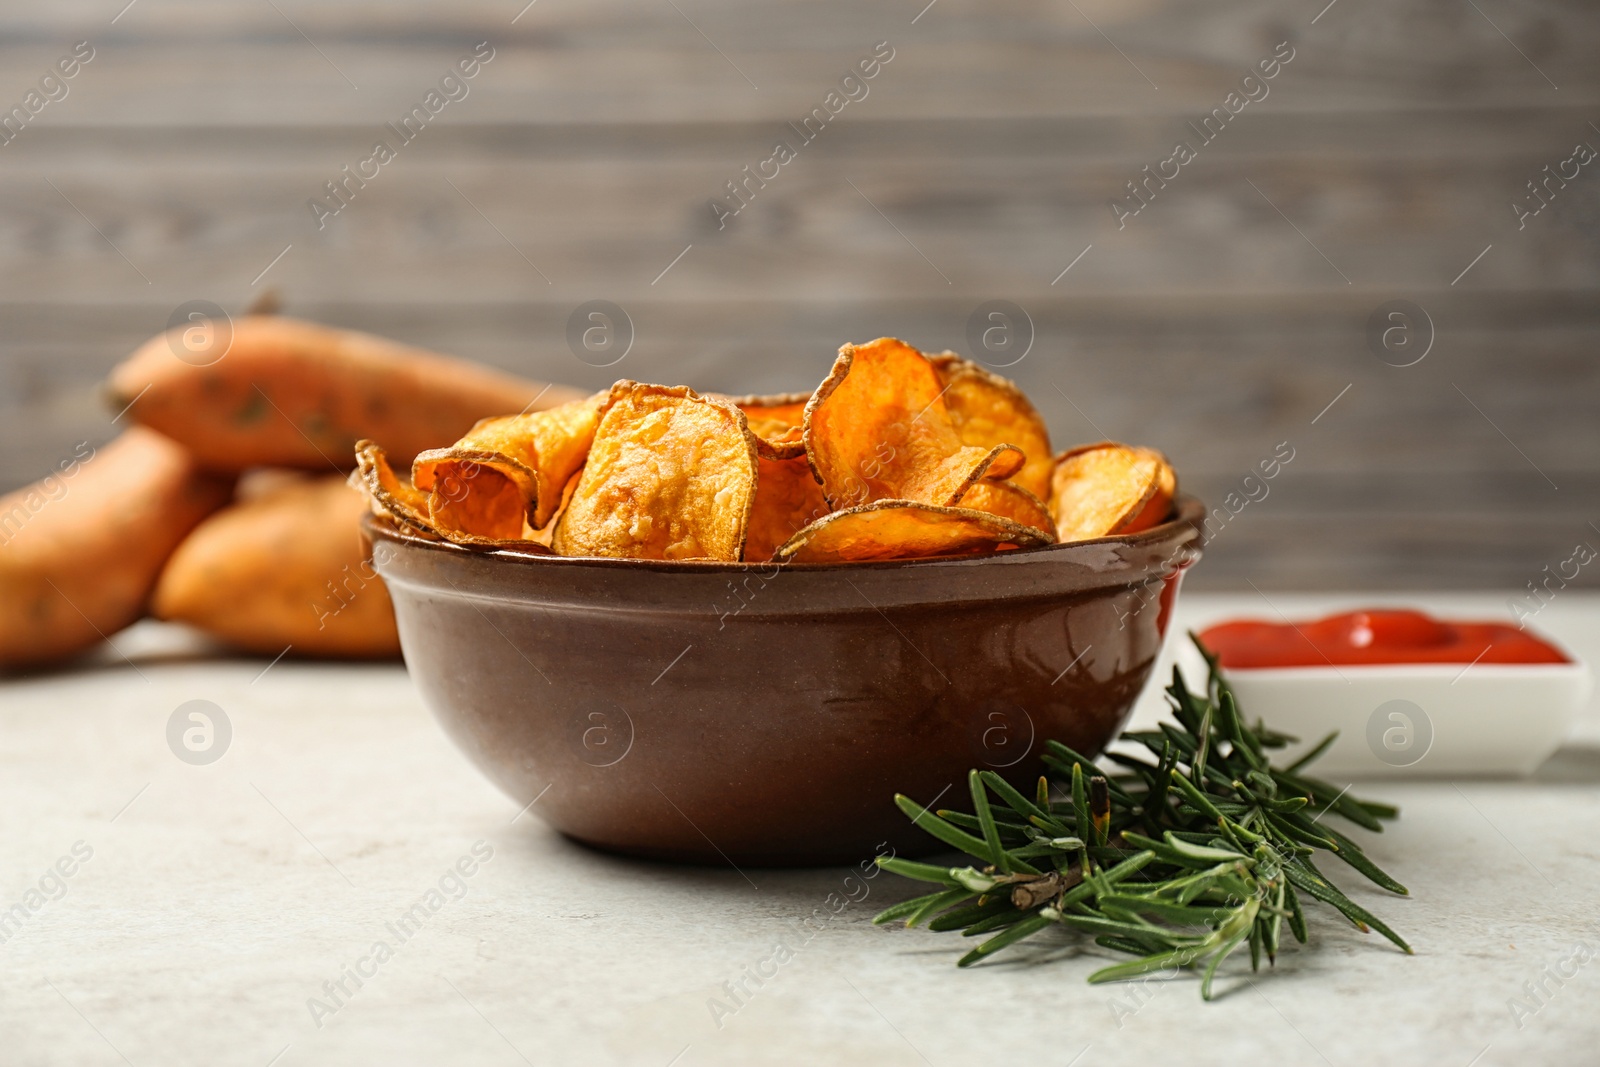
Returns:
point(1101, 489)
point(396, 499)
point(390, 496)
point(546, 535)
point(877, 428)
point(989, 410)
point(788, 498)
point(671, 475)
point(777, 421)
point(507, 471)
point(1160, 506)
point(896, 455)
point(904, 529)
point(1010, 501)
point(480, 493)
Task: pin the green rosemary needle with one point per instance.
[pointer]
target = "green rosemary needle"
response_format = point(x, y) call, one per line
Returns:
point(1186, 855)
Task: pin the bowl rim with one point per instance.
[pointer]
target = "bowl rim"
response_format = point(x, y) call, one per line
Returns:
point(1425, 671)
point(1189, 515)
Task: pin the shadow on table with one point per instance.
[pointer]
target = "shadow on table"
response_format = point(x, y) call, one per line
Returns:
point(862, 887)
point(1571, 765)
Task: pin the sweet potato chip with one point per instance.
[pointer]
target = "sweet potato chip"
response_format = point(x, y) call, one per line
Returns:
point(671, 475)
point(989, 410)
point(787, 499)
point(1010, 501)
point(485, 494)
point(546, 535)
point(393, 497)
point(390, 496)
point(877, 428)
point(1160, 506)
point(904, 529)
point(777, 421)
point(896, 455)
point(1098, 490)
point(507, 471)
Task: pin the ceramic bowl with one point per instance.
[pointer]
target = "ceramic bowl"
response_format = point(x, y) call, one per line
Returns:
point(757, 714)
point(1420, 720)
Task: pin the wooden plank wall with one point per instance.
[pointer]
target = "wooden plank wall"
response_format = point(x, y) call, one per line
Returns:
point(1221, 320)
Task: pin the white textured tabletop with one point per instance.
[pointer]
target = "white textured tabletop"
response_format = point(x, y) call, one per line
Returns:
point(208, 906)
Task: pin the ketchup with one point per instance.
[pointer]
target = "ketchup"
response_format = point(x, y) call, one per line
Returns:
point(1375, 636)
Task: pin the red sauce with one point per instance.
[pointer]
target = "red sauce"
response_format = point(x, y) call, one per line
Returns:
point(1375, 636)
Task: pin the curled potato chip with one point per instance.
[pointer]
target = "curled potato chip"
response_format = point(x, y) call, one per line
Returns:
point(989, 410)
point(507, 471)
point(1010, 501)
point(877, 428)
point(788, 498)
point(390, 495)
point(777, 421)
point(896, 455)
point(671, 475)
point(1101, 489)
point(481, 493)
point(546, 535)
point(1160, 505)
point(904, 529)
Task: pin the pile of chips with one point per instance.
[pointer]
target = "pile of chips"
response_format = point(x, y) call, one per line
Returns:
point(897, 455)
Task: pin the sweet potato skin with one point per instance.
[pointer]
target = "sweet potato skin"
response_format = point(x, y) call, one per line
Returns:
point(285, 569)
point(80, 552)
point(288, 393)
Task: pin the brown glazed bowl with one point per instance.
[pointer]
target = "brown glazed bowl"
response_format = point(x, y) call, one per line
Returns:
point(757, 714)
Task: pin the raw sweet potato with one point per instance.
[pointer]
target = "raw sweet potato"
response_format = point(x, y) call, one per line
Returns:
point(283, 569)
point(270, 391)
point(81, 550)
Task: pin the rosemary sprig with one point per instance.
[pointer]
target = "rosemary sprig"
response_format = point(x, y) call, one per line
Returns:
point(1188, 854)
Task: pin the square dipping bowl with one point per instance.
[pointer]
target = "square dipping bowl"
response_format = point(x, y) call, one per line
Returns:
point(1419, 720)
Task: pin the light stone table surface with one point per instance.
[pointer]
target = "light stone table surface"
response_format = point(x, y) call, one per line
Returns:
point(215, 902)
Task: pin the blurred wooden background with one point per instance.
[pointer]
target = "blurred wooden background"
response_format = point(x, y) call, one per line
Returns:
point(1220, 321)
